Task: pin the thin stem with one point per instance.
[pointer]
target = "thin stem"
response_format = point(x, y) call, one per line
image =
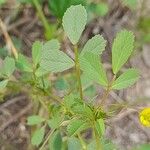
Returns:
point(78, 73)
point(46, 140)
point(82, 142)
point(42, 17)
point(97, 138)
point(105, 95)
point(9, 42)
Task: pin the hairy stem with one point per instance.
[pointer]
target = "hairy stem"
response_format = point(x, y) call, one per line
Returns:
point(78, 73)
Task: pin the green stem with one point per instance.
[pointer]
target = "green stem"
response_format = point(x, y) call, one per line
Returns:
point(97, 138)
point(84, 147)
point(78, 73)
point(46, 140)
point(42, 17)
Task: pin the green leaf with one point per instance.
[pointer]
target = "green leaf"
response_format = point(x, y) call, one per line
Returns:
point(100, 126)
point(61, 84)
point(74, 21)
point(83, 110)
point(122, 49)
point(3, 84)
point(36, 52)
point(126, 79)
point(130, 3)
point(74, 144)
point(41, 72)
point(8, 66)
point(92, 67)
point(58, 7)
point(55, 142)
point(95, 45)
point(38, 136)
point(55, 121)
point(76, 126)
point(142, 147)
point(23, 64)
point(101, 9)
point(2, 2)
point(34, 120)
point(53, 59)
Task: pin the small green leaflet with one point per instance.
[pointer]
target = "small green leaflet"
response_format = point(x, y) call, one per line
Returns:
point(55, 142)
point(3, 84)
point(36, 52)
point(101, 9)
point(23, 64)
point(100, 126)
point(74, 144)
point(53, 59)
point(76, 126)
point(92, 67)
point(34, 120)
point(95, 45)
point(38, 136)
point(8, 66)
point(126, 79)
point(122, 49)
point(74, 21)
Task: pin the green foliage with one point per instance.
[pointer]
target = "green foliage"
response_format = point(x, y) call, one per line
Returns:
point(143, 147)
point(38, 136)
point(8, 67)
point(95, 45)
point(53, 59)
point(70, 114)
point(2, 2)
point(74, 144)
point(36, 52)
point(100, 126)
point(126, 79)
point(55, 142)
point(58, 7)
point(76, 126)
point(3, 84)
point(130, 3)
point(92, 67)
point(121, 50)
point(74, 21)
point(34, 120)
point(101, 9)
point(23, 64)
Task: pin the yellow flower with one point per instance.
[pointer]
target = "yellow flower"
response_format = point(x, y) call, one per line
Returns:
point(145, 117)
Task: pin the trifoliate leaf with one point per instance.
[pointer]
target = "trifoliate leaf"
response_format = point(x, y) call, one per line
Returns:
point(126, 79)
point(36, 52)
point(53, 59)
point(92, 67)
point(95, 45)
point(74, 21)
point(34, 120)
point(122, 49)
point(38, 136)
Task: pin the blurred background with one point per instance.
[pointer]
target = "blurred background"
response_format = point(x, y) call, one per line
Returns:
point(26, 21)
